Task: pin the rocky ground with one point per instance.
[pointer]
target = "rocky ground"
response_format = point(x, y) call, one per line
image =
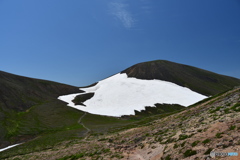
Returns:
point(192, 134)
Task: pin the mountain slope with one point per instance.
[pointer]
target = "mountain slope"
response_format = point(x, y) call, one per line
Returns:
point(29, 107)
point(149, 83)
point(19, 93)
point(199, 80)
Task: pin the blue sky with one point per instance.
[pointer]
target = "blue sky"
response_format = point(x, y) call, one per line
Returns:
point(79, 42)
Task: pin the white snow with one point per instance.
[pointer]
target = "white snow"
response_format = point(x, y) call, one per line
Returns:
point(119, 95)
point(3, 149)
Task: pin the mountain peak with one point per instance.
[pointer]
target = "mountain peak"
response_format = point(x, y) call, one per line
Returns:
point(202, 81)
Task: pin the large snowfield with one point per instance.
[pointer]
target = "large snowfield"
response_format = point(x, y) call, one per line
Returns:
point(119, 95)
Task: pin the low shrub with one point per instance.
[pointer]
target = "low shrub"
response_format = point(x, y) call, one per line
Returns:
point(232, 127)
point(189, 153)
point(219, 135)
point(206, 141)
point(208, 151)
point(236, 107)
point(195, 143)
point(182, 136)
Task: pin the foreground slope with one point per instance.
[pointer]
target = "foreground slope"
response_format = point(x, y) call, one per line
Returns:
point(211, 125)
point(199, 80)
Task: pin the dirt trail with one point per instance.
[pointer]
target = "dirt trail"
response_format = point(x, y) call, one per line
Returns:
point(81, 123)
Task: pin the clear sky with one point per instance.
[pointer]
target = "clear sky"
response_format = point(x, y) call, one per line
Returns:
point(79, 42)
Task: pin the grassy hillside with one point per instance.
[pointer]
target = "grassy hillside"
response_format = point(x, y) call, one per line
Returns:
point(20, 93)
point(199, 80)
point(99, 126)
point(29, 107)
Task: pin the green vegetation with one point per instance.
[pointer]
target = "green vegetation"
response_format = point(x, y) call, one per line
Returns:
point(29, 107)
point(51, 124)
point(67, 128)
point(43, 142)
point(182, 144)
point(219, 135)
point(170, 140)
point(202, 101)
point(94, 154)
point(143, 121)
point(46, 117)
point(208, 151)
point(189, 153)
point(206, 141)
point(227, 110)
point(175, 145)
point(236, 107)
point(73, 157)
point(118, 156)
point(215, 110)
point(104, 124)
point(159, 109)
point(232, 127)
point(183, 136)
point(195, 143)
point(168, 157)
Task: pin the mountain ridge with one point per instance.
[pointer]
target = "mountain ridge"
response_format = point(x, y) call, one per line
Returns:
point(199, 80)
point(29, 106)
point(20, 93)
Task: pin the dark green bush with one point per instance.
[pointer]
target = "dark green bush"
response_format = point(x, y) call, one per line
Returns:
point(182, 136)
point(175, 146)
point(219, 135)
point(189, 153)
point(206, 141)
point(227, 110)
point(232, 127)
point(183, 144)
point(208, 151)
point(195, 143)
point(168, 157)
point(215, 110)
point(236, 107)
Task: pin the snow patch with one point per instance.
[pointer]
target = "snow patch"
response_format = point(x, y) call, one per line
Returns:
point(3, 149)
point(120, 95)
